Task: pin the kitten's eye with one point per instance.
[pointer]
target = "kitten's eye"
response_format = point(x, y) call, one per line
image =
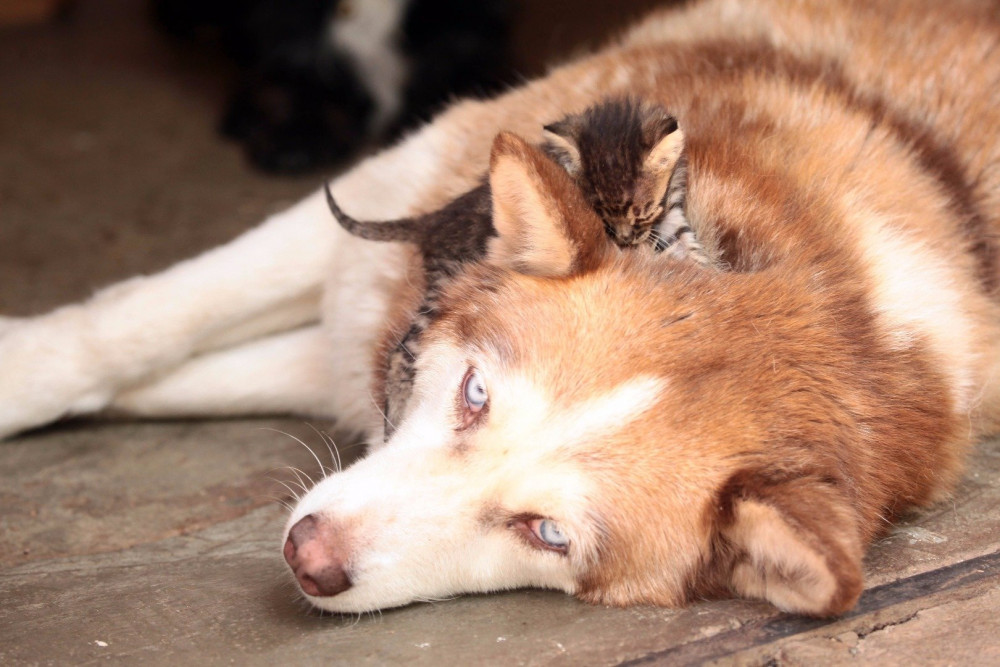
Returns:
point(652, 216)
point(473, 397)
point(549, 534)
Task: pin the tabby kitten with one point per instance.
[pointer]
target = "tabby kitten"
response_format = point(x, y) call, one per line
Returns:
point(627, 158)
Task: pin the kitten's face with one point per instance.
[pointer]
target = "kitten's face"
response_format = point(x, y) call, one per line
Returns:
point(622, 155)
point(630, 214)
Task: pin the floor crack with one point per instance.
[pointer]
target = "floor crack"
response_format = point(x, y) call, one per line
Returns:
point(888, 624)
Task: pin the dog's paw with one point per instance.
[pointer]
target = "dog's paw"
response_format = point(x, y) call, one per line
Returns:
point(45, 371)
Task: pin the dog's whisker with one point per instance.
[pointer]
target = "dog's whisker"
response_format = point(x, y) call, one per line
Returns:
point(282, 482)
point(280, 501)
point(433, 599)
point(330, 447)
point(299, 474)
point(380, 411)
point(326, 439)
point(291, 490)
point(277, 481)
point(334, 450)
point(308, 448)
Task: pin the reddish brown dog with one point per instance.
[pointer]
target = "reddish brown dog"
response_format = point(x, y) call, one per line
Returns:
point(623, 426)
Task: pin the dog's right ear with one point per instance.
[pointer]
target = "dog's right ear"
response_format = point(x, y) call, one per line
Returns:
point(544, 226)
point(793, 541)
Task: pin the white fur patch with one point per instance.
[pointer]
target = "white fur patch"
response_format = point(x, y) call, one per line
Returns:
point(918, 295)
point(603, 414)
point(368, 31)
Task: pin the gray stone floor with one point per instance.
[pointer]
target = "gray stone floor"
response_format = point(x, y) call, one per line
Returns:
point(158, 542)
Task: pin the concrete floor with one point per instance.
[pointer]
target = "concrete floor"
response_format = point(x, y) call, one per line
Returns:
point(158, 542)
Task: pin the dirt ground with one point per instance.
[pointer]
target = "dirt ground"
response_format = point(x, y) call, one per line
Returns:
point(158, 542)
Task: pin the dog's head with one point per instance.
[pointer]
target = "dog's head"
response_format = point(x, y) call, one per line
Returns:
point(590, 419)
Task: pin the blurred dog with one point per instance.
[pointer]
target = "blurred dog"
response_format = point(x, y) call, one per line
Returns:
point(320, 79)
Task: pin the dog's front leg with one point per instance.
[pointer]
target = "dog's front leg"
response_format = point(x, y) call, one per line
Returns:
point(74, 359)
point(287, 373)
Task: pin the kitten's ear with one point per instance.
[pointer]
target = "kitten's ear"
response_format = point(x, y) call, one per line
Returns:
point(664, 155)
point(560, 139)
point(796, 543)
point(544, 226)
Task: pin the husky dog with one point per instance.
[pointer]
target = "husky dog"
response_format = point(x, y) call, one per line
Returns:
point(614, 423)
point(319, 78)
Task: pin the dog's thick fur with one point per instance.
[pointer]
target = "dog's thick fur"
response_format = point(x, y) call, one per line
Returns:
point(692, 432)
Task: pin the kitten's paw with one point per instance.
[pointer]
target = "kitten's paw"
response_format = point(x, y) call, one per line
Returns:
point(46, 371)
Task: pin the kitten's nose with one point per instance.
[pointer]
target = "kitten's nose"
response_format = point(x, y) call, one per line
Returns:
point(626, 233)
point(315, 552)
point(617, 229)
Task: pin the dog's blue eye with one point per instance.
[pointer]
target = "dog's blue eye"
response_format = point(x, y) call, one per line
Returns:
point(549, 532)
point(475, 391)
point(542, 534)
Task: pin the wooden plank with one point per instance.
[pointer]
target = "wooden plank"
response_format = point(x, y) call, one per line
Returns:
point(884, 605)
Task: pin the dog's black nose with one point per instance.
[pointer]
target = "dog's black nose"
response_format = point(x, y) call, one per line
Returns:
point(316, 555)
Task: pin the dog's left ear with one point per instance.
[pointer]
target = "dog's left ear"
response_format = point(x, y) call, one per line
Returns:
point(792, 542)
point(544, 225)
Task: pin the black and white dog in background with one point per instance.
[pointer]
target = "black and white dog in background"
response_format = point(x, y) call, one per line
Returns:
point(320, 78)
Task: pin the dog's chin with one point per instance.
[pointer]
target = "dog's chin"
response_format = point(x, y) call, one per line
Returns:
point(355, 602)
point(360, 600)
